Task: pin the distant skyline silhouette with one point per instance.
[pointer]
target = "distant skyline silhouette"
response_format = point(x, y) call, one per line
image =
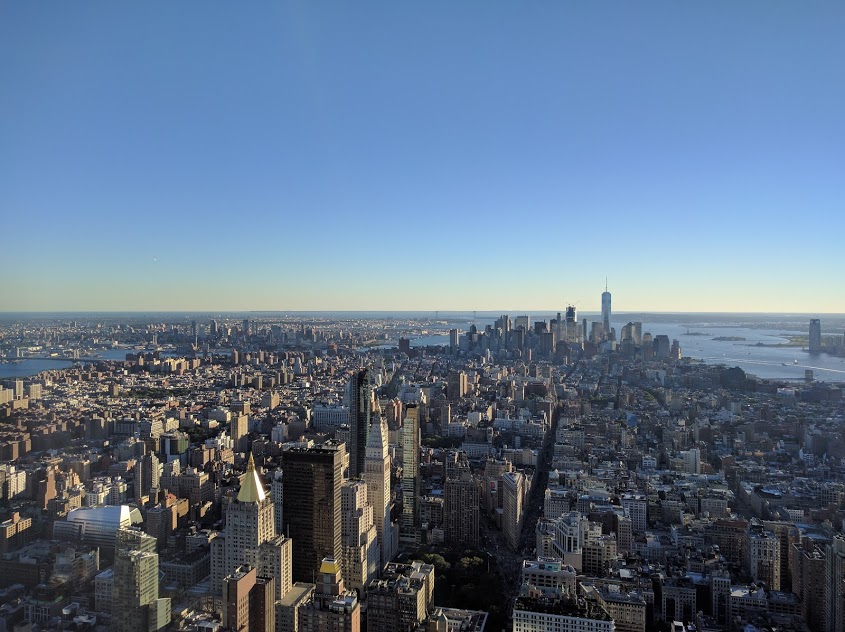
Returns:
point(210, 156)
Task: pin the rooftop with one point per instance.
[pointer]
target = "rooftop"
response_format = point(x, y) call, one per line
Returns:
point(252, 488)
point(582, 608)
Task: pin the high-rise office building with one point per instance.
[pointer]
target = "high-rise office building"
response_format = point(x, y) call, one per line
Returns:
point(461, 508)
point(647, 347)
point(249, 603)
point(361, 553)
point(239, 431)
point(275, 559)
point(312, 506)
point(250, 535)
point(636, 508)
point(360, 395)
point(571, 332)
point(277, 493)
point(503, 324)
point(513, 502)
point(605, 312)
point(808, 568)
point(815, 341)
point(662, 346)
point(409, 529)
point(457, 385)
point(136, 605)
point(147, 473)
point(377, 477)
point(454, 343)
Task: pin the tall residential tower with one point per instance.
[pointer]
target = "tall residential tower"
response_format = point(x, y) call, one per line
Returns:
point(409, 531)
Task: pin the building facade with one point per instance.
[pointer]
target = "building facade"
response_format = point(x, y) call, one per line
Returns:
point(312, 507)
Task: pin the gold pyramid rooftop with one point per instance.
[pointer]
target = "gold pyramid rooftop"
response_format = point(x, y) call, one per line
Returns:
point(252, 489)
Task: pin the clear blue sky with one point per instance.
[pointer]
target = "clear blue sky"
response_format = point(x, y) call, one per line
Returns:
point(422, 155)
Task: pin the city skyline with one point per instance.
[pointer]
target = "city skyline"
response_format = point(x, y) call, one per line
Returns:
point(690, 153)
point(422, 317)
point(326, 473)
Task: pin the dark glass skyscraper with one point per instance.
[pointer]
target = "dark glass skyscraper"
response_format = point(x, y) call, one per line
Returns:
point(311, 506)
point(360, 402)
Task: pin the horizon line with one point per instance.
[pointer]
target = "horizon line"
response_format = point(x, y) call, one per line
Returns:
point(401, 311)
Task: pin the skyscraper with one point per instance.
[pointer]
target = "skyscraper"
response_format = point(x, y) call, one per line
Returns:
point(571, 331)
point(147, 472)
point(453, 340)
point(377, 476)
point(250, 525)
point(249, 602)
point(513, 505)
point(461, 508)
point(239, 431)
point(311, 504)
point(605, 312)
point(409, 531)
point(457, 385)
point(358, 536)
point(135, 601)
point(815, 341)
point(277, 493)
point(360, 406)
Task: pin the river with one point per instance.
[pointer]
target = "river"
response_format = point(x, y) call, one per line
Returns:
point(762, 361)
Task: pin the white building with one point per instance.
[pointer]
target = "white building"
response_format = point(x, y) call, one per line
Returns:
point(96, 525)
point(692, 461)
point(565, 615)
point(361, 555)
point(550, 576)
point(377, 477)
point(329, 416)
point(250, 537)
point(636, 508)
